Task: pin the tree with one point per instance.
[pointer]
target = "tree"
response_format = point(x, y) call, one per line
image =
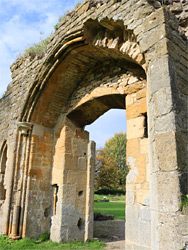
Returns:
point(111, 167)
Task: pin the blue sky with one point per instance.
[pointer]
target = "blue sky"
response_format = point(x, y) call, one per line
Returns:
point(24, 22)
point(107, 125)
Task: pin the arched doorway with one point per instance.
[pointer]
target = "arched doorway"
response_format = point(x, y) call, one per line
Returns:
point(86, 52)
point(89, 78)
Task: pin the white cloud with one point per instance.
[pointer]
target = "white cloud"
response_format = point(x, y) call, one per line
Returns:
point(20, 25)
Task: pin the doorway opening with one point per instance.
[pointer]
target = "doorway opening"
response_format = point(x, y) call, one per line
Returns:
point(109, 134)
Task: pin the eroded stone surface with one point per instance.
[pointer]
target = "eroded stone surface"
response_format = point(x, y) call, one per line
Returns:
point(105, 54)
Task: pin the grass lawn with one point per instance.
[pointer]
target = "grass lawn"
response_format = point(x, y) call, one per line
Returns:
point(115, 208)
point(30, 244)
point(109, 197)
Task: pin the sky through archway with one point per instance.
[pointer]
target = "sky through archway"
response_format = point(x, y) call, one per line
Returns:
point(113, 121)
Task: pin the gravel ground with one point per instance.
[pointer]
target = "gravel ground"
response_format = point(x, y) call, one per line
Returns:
point(112, 232)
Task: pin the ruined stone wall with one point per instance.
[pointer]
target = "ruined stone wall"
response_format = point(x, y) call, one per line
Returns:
point(11, 105)
point(65, 79)
point(39, 207)
point(24, 70)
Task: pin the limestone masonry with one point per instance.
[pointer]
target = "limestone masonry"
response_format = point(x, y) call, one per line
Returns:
point(129, 54)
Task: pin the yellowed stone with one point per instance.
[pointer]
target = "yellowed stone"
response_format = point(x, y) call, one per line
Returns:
point(135, 127)
point(132, 147)
point(144, 146)
point(140, 164)
point(147, 172)
point(133, 111)
point(133, 88)
point(140, 94)
point(143, 106)
point(130, 99)
point(57, 176)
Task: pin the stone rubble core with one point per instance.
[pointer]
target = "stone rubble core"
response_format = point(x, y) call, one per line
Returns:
point(129, 54)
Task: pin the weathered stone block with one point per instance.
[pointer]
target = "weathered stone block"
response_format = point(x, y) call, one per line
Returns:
point(145, 213)
point(142, 197)
point(143, 106)
point(165, 105)
point(168, 223)
point(82, 163)
point(144, 233)
point(152, 37)
point(131, 223)
point(161, 47)
point(141, 94)
point(132, 147)
point(168, 201)
point(135, 127)
point(133, 111)
point(130, 99)
point(165, 150)
point(144, 146)
point(165, 123)
point(141, 166)
point(151, 22)
point(161, 73)
point(137, 170)
point(130, 193)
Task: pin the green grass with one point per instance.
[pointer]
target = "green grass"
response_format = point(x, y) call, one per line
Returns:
point(37, 48)
point(43, 244)
point(109, 197)
point(115, 208)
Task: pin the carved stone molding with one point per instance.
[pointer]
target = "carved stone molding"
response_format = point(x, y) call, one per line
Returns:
point(24, 127)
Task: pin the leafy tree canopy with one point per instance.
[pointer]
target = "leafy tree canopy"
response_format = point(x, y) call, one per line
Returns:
point(111, 167)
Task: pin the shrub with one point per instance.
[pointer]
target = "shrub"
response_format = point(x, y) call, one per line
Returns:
point(110, 191)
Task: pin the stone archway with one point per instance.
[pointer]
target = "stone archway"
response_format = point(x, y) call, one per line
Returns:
point(122, 49)
point(70, 135)
point(75, 95)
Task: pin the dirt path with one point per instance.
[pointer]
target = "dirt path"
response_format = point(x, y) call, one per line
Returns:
point(111, 232)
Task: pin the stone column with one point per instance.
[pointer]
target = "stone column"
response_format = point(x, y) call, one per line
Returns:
point(90, 191)
point(20, 179)
point(164, 169)
point(160, 41)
